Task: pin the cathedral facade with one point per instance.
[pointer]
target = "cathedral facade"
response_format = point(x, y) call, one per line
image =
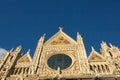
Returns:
point(61, 57)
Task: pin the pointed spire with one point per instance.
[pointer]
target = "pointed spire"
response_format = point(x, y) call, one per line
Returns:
point(79, 38)
point(44, 35)
point(19, 47)
point(11, 50)
point(93, 48)
point(22, 54)
point(78, 34)
point(104, 45)
point(103, 42)
point(110, 45)
point(28, 52)
point(40, 38)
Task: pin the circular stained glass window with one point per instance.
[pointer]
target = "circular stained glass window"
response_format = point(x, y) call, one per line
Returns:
point(59, 60)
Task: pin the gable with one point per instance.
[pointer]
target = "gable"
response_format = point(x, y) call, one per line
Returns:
point(60, 38)
point(25, 59)
point(94, 56)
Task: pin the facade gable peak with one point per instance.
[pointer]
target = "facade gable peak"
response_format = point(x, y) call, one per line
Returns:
point(60, 38)
point(95, 56)
point(25, 58)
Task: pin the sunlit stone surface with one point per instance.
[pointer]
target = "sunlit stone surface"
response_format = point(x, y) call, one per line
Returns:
point(61, 58)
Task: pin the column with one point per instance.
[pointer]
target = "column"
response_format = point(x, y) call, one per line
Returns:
point(25, 70)
point(101, 69)
point(18, 69)
point(105, 68)
point(14, 72)
point(29, 71)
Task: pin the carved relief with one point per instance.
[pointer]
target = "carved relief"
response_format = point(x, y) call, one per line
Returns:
point(95, 57)
point(60, 40)
point(24, 59)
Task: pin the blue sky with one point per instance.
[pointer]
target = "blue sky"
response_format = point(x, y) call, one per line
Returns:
point(22, 22)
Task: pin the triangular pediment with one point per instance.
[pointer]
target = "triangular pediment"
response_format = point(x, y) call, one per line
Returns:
point(25, 59)
point(60, 38)
point(95, 56)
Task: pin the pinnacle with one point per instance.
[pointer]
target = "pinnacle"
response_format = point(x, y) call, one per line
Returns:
point(28, 51)
point(93, 48)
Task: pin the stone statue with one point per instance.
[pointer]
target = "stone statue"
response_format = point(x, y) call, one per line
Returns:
point(59, 76)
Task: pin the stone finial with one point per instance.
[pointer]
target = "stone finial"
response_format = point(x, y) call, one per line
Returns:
point(93, 48)
point(79, 38)
point(44, 35)
point(20, 46)
point(60, 28)
point(11, 50)
point(104, 45)
point(78, 34)
point(110, 45)
point(28, 51)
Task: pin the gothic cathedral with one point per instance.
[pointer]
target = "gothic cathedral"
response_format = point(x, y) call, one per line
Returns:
point(61, 58)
